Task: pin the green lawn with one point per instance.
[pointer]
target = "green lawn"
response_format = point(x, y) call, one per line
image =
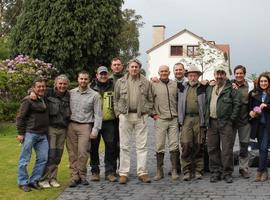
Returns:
point(9, 151)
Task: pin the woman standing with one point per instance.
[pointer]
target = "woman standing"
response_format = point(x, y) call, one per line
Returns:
point(259, 105)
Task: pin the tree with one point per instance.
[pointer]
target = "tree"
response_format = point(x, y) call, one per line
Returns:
point(9, 10)
point(207, 59)
point(72, 35)
point(129, 36)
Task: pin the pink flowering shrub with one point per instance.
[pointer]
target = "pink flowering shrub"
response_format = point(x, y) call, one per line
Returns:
point(16, 77)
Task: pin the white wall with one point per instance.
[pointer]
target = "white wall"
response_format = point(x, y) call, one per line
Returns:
point(161, 55)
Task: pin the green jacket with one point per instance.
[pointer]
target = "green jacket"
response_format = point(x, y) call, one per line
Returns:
point(228, 103)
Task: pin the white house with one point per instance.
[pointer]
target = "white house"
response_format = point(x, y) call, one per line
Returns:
point(183, 44)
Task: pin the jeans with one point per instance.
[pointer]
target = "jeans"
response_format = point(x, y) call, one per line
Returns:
point(40, 145)
point(263, 148)
point(108, 134)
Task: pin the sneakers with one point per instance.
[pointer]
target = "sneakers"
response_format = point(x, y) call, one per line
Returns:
point(25, 188)
point(44, 184)
point(54, 183)
point(198, 176)
point(144, 178)
point(111, 178)
point(187, 177)
point(95, 177)
point(244, 173)
point(123, 179)
point(228, 178)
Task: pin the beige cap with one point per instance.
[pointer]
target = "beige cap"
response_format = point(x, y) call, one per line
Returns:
point(193, 69)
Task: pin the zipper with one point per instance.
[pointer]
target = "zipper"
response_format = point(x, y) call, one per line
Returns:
point(169, 99)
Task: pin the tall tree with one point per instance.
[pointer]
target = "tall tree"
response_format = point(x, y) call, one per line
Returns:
point(71, 34)
point(9, 10)
point(129, 36)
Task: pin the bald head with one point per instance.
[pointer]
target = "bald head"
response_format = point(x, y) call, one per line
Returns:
point(164, 72)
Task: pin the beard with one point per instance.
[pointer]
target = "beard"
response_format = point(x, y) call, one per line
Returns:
point(192, 83)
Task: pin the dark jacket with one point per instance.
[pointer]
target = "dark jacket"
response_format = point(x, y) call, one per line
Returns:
point(243, 118)
point(33, 116)
point(255, 99)
point(106, 92)
point(182, 95)
point(59, 109)
point(228, 103)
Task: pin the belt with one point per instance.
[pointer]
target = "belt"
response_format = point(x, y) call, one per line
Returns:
point(79, 122)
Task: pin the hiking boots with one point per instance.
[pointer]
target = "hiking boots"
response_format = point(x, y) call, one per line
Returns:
point(123, 179)
point(144, 178)
point(244, 173)
point(111, 178)
point(95, 177)
point(160, 173)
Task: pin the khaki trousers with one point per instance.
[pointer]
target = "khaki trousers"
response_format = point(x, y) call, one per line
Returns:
point(166, 128)
point(132, 126)
point(78, 145)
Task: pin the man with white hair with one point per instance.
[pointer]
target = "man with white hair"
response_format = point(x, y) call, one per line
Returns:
point(191, 109)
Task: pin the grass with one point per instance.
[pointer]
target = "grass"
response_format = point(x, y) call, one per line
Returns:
point(10, 150)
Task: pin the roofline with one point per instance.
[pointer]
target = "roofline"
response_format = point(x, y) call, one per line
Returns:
point(174, 36)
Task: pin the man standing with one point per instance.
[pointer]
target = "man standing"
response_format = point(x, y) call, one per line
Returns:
point(223, 106)
point(179, 73)
point(86, 120)
point(104, 86)
point(242, 126)
point(59, 114)
point(117, 73)
point(191, 110)
point(133, 102)
point(117, 69)
point(32, 125)
point(166, 124)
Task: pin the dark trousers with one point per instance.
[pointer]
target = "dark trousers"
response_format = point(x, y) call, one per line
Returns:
point(108, 134)
point(263, 148)
point(117, 142)
point(220, 146)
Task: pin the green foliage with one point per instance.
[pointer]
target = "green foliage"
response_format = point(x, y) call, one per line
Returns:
point(4, 48)
point(129, 37)
point(16, 77)
point(9, 10)
point(72, 35)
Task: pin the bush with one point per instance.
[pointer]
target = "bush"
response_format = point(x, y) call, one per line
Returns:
point(4, 48)
point(16, 77)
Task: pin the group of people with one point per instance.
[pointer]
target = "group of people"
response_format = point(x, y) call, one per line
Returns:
point(191, 114)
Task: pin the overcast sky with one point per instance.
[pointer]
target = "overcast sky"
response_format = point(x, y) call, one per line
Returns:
point(243, 24)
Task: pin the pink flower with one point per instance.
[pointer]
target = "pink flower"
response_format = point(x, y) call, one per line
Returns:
point(257, 110)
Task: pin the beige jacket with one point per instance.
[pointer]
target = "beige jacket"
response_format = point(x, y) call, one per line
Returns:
point(165, 99)
point(121, 101)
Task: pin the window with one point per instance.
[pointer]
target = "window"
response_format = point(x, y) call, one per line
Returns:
point(192, 50)
point(176, 50)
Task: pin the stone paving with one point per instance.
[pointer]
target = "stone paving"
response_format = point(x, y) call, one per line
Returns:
point(166, 188)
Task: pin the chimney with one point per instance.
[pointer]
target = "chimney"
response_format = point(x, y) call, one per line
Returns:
point(158, 34)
